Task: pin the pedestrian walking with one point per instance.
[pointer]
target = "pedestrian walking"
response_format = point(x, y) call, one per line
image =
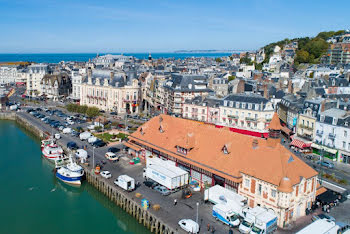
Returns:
point(175, 202)
point(208, 226)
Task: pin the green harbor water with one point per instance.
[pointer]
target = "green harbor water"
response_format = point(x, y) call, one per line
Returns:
point(32, 200)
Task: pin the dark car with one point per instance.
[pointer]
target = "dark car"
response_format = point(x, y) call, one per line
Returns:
point(113, 150)
point(114, 113)
point(99, 143)
point(102, 111)
point(150, 184)
point(72, 145)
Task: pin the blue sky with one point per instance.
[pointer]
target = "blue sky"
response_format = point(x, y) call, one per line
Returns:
point(30, 26)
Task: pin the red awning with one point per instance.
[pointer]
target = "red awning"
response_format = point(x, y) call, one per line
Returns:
point(300, 144)
point(249, 133)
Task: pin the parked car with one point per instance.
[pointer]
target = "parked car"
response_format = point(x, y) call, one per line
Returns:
point(57, 136)
point(72, 145)
point(189, 225)
point(322, 216)
point(99, 143)
point(162, 190)
point(111, 156)
point(106, 174)
point(150, 184)
point(114, 113)
point(113, 149)
point(326, 164)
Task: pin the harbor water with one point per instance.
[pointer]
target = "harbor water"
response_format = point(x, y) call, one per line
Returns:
point(32, 200)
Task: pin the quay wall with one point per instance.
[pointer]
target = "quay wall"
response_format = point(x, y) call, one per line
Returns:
point(116, 195)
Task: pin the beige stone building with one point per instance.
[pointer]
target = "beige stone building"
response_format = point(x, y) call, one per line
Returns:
point(249, 112)
point(110, 91)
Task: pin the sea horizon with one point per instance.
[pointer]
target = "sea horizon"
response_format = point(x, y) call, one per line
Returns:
point(84, 57)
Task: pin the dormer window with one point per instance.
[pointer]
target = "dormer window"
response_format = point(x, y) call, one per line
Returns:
point(335, 121)
point(322, 118)
point(161, 129)
point(141, 131)
point(225, 149)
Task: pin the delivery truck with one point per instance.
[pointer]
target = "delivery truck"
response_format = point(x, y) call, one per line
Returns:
point(226, 215)
point(320, 226)
point(85, 135)
point(259, 220)
point(165, 173)
point(125, 182)
point(220, 195)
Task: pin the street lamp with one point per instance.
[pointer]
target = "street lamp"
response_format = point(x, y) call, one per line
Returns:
point(197, 212)
point(93, 157)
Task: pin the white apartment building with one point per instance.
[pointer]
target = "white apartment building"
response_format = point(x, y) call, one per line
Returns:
point(34, 76)
point(77, 79)
point(333, 135)
point(8, 74)
point(250, 112)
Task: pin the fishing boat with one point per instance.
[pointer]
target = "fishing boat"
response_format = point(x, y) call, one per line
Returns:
point(52, 151)
point(71, 173)
point(45, 142)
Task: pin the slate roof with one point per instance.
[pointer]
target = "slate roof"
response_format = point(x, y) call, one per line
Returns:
point(187, 83)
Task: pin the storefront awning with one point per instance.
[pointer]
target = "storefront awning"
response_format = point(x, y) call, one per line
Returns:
point(321, 147)
point(132, 146)
point(300, 144)
point(286, 130)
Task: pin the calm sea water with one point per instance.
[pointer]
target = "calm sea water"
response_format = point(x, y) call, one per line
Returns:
point(33, 201)
point(56, 58)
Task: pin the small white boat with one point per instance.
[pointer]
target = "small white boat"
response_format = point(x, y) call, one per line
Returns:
point(52, 151)
point(71, 173)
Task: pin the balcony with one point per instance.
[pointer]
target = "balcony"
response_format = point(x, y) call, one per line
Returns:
point(319, 133)
point(305, 127)
point(332, 136)
point(233, 116)
point(251, 119)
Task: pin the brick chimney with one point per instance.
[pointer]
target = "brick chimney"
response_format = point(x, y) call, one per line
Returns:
point(290, 87)
point(240, 86)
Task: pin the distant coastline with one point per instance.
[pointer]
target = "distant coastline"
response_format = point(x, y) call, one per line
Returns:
point(84, 57)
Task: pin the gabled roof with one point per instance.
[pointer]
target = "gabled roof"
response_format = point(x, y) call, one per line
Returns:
point(275, 123)
point(262, 161)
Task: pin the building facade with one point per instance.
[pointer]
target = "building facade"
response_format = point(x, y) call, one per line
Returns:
point(35, 74)
point(111, 92)
point(183, 87)
point(339, 53)
point(262, 170)
point(8, 74)
point(250, 112)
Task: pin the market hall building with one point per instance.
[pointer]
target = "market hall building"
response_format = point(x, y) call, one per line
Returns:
point(260, 169)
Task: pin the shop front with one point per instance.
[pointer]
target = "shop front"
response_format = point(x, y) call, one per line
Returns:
point(327, 152)
point(344, 157)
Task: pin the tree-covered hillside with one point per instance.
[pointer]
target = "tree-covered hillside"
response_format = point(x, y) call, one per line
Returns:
point(310, 49)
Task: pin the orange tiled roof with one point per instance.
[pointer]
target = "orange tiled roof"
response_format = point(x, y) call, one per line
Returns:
point(267, 163)
point(275, 123)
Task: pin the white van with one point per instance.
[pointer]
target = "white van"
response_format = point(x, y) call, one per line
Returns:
point(85, 135)
point(67, 130)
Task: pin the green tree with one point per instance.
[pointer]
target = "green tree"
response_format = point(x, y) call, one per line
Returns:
point(231, 78)
point(218, 60)
point(302, 56)
point(258, 66)
point(92, 112)
point(311, 75)
point(71, 107)
point(82, 109)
